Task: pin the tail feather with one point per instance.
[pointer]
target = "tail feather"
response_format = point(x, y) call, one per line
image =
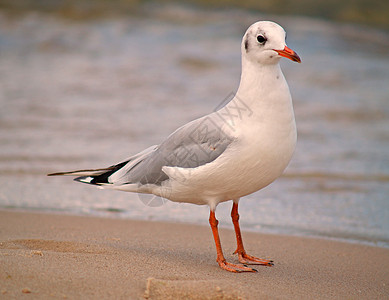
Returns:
point(89, 176)
point(101, 176)
point(92, 176)
point(90, 172)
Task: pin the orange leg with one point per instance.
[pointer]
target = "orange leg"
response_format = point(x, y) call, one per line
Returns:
point(220, 257)
point(244, 258)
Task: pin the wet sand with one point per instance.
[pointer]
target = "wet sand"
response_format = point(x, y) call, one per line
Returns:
point(58, 257)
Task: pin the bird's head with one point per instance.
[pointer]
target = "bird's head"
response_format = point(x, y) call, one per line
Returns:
point(264, 43)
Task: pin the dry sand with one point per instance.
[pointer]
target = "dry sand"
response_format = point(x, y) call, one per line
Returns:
point(48, 256)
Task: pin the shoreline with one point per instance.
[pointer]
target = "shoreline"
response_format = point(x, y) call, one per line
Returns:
point(343, 237)
point(62, 256)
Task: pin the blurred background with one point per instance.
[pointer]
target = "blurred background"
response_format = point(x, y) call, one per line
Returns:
point(88, 83)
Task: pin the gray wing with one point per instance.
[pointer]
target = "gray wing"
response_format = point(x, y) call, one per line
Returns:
point(192, 145)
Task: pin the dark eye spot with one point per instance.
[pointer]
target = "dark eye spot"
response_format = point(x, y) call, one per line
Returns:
point(261, 39)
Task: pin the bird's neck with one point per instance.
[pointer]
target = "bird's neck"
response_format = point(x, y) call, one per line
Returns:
point(262, 88)
point(263, 97)
point(258, 81)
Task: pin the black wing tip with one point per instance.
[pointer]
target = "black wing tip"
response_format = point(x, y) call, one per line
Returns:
point(96, 176)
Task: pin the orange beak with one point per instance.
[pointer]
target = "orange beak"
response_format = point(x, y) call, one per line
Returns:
point(289, 53)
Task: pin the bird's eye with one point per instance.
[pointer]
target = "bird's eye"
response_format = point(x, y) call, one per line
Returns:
point(261, 39)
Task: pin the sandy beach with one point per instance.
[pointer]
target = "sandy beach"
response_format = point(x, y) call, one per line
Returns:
point(52, 256)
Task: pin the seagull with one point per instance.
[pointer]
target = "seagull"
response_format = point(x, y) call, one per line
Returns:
point(230, 153)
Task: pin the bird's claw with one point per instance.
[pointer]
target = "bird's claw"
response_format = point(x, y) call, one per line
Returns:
point(235, 268)
point(244, 258)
